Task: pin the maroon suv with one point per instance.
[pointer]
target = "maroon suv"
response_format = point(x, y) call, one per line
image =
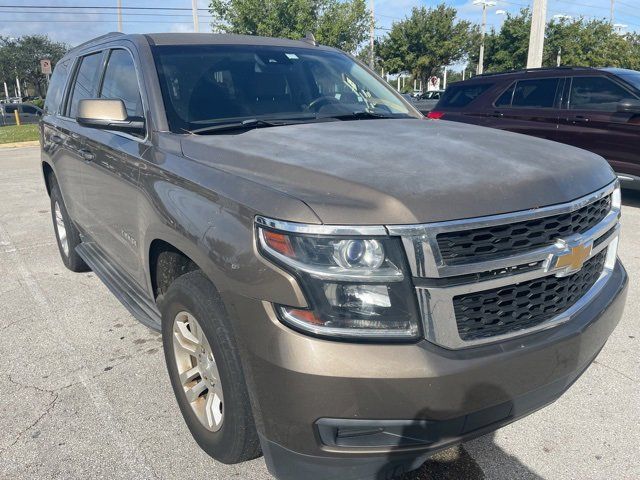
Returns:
point(595, 109)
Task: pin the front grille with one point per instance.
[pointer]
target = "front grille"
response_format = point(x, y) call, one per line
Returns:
point(501, 240)
point(489, 313)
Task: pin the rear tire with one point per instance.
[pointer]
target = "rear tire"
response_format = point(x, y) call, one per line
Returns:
point(67, 235)
point(203, 361)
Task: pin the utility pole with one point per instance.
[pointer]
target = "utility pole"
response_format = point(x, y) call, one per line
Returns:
point(559, 57)
point(444, 86)
point(119, 15)
point(196, 22)
point(613, 8)
point(485, 4)
point(18, 85)
point(372, 31)
point(536, 37)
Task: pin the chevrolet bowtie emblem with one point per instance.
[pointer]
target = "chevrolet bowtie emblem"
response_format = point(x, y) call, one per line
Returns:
point(572, 259)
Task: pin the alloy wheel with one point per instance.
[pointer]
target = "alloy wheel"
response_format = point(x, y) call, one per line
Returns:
point(198, 371)
point(61, 229)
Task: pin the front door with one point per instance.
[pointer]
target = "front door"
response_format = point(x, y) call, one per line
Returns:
point(111, 188)
point(591, 121)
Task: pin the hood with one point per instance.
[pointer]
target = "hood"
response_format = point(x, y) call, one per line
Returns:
point(404, 171)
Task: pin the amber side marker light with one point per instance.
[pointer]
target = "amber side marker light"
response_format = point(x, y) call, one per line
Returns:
point(279, 242)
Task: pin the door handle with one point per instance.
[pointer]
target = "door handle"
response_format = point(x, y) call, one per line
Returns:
point(496, 114)
point(87, 155)
point(56, 138)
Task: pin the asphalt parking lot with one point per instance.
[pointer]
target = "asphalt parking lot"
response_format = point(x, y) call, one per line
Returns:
point(84, 392)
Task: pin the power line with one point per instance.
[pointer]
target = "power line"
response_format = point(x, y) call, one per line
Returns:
point(101, 13)
point(100, 7)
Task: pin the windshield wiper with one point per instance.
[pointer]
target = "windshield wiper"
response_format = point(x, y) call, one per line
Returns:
point(358, 115)
point(243, 125)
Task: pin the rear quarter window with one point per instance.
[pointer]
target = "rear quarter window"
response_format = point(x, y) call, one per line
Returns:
point(459, 96)
point(56, 87)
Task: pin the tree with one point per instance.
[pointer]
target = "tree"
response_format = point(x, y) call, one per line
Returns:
point(591, 43)
point(21, 57)
point(507, 50)
point(587, 43)
point(427, 40)
point(341, 24)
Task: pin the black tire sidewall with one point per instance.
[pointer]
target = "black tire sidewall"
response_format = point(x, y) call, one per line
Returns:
point(72, 261)
point(194, 294)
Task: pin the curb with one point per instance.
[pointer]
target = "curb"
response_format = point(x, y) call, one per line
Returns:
point(31, 143)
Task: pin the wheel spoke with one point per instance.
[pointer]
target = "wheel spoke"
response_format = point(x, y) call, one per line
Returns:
point(187, 340)
point(194, 392)
point(214, 409)
point(189, 375)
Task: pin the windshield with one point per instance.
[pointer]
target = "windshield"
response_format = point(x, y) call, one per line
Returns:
point(632, 78)
point(205, 85)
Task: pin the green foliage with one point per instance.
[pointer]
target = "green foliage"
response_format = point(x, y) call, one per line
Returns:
point(341, 24)
point(22, 57)
point(16, 134)
point(589, 43)
point(508, 49)
point(425, 41)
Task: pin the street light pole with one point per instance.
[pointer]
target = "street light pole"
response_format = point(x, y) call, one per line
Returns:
point(485, 4)
point(536, 37)
point(372, 32)
point(196, 22)
point(120, 15)
point(612, 14)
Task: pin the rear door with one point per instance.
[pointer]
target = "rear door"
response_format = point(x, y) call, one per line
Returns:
point(111, 184)
point(530, 107)
point(591, 121)
point(71, 163)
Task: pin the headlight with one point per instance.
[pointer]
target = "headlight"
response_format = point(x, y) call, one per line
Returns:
point(356, 287)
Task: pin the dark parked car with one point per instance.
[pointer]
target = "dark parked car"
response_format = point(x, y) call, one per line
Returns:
point(328, 294)
point(28, 113)
point(425, 102)
point(594, 109)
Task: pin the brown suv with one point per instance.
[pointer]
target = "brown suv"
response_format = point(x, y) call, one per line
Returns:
point(328, 294)
point(594, 109)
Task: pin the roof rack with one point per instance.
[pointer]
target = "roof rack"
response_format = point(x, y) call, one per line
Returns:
point(93, 40)
point(526, 70)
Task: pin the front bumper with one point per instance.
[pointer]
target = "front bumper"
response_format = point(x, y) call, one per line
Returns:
point(304, 390)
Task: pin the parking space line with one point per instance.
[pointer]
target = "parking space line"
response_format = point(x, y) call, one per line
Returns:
point(139, 466)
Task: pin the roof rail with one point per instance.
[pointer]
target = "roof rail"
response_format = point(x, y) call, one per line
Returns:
point(93, 40)
point(525, 70)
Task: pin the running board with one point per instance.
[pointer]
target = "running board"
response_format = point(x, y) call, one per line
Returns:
point(138, 303)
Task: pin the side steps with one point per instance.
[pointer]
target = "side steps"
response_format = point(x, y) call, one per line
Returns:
point(132, 297)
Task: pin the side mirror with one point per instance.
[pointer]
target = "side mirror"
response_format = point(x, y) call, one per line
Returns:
point(107, 114)
point(629, 105)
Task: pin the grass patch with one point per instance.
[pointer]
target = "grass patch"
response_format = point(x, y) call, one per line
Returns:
point(23, 133)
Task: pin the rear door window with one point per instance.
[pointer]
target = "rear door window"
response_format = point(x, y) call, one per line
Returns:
point(86, 81)
point(596, 93)
point(29, 109)
point(458, 96)
point(56, 87)
point(120, 82)
point(535, 93)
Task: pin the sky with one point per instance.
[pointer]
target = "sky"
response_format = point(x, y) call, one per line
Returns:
point(74, 26)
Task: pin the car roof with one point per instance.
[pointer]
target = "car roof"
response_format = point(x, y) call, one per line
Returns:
point(534, 73)
point(170, 39)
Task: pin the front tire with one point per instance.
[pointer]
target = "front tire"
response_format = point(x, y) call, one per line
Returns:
point(67, 234)
point(205, 370)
